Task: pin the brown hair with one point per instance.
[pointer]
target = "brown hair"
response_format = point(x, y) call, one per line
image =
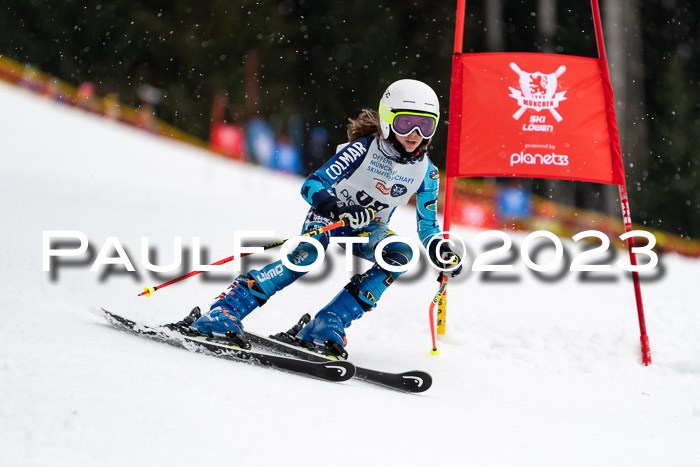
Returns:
point(367, 123)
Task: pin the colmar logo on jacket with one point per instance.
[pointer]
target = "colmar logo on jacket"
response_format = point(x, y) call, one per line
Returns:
point(349, 155)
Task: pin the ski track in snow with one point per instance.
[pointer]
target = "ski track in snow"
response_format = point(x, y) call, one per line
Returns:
point(531, 373)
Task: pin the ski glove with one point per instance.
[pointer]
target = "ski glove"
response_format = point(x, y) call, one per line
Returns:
point(447, 258)
point(355, 216)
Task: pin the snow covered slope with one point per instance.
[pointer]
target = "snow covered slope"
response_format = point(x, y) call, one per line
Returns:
point(532, 372)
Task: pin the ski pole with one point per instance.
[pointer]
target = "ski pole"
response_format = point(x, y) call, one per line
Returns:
point(147, 291)
point(442, 278)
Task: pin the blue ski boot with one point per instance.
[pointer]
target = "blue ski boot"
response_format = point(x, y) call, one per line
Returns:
point(225, 315)
point(327, 329)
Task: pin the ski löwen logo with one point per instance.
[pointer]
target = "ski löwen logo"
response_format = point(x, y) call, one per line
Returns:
point(538, 91)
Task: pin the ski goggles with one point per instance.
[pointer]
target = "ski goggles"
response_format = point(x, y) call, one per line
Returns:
point(404, 122)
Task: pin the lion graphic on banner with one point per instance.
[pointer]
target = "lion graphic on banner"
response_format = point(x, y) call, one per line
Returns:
point(538, 91)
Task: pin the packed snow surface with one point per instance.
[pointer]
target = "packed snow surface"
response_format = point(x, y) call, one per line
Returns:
point(532, 371)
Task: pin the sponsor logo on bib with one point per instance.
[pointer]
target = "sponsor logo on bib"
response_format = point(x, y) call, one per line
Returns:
point(398, 190)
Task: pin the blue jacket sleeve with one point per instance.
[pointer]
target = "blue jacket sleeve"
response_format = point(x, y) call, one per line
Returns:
point(426, 205)
point(319, 187)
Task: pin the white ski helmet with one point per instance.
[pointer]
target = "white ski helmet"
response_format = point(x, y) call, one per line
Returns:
point(408, 96)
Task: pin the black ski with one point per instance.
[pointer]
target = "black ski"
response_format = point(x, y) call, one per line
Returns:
point(410, 381)
point(332, 370)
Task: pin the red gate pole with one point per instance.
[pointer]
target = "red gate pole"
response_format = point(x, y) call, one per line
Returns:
point(447, 207)
point(624, 200)
point(459, 39)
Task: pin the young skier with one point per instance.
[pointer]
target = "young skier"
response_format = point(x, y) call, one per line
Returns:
point(382, 167)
